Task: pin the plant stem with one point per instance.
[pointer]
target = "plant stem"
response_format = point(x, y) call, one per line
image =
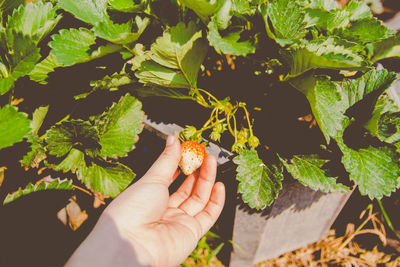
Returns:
point(388, 221)
point(11, 95)
point(248, 118)
point(210, 95)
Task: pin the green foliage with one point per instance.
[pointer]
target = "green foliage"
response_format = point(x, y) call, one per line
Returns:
point(258, 183)
point(14, 126)
point(325, 51)
point(328, 103)
point(374, 81)
point(230, 43)
point(37, 153)
point(322, 53)
point(174, 58)
point(62, 137)
point(330, 100)
point(129, 6)
point(19, 53)
point(110, 180)
point(35, 20)
point(308, 170)
point(287, 20)
point(119, 127)
point(204, 8)
point(88, 146)
point(72, 46)
point(375, 170)
point(48, 184)
point(74, 160)
point(387, 48)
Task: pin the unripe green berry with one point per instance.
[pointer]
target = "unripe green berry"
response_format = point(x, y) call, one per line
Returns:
point(253, 141)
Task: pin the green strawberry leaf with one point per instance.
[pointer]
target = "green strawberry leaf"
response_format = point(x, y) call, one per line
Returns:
point(323, 53)
point(72, 46)
point(89, 11)
point(324, 4)
point(384, 105)
point(128, 6)
point(41, 71)
point(240, 8)
point(386, 48)
point(230, 43)
point(367, 30)
point(37, 154)
point(287, 19)
point(308, 170)
point(22, 54)
point(317, 17)
point(35, 20)
point(120, 33)
point(258, 184)
point(62, 137)
point(7, 6)
point(181, 47)
point(163, 92)
point(358, 10)
point(6, 84)
point(204, 8)
point(72, 162)
point(174, 59)
point(372, 81)
point(14, 126)
point(328, 103)
point(38, 117)
point(109, 180)
point(389, 128)
point(120, 126)
point(150, 72)
point(375, 170)
point(48, 184)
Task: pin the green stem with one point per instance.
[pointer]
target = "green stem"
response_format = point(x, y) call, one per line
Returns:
point(11, 95)
point(210, 95)
point(388, 221)
point(248, 119)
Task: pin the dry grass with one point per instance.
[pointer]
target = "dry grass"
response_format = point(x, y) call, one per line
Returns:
point(343, 250)
point(330, 251)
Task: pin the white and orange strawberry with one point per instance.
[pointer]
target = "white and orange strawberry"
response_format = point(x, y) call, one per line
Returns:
point(192, 156)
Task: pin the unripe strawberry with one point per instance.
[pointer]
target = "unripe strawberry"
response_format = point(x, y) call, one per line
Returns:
point(192, 156)
point(253, 141)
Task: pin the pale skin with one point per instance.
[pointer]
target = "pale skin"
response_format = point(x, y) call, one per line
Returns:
point(145, 226)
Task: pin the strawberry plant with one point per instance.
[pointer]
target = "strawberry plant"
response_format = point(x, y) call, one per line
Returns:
point(326, 52)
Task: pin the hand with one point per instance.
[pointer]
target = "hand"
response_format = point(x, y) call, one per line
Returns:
point(145, 226)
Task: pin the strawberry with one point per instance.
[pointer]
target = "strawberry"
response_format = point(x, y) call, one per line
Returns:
point(192, 156)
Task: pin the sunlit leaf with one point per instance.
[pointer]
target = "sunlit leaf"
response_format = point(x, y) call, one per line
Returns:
point(62, 137)
point(120, 126)
point(49, 184)
point(258, 183)
point(308, 170)
point(14, 126)
point(109, 180)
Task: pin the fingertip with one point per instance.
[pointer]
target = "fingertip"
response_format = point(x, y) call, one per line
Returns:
point(210, 161)
point(171, 141)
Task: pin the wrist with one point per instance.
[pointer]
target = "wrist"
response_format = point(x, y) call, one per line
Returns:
point(106, 246)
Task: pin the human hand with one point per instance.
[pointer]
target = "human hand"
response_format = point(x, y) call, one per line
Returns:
point(145, 226)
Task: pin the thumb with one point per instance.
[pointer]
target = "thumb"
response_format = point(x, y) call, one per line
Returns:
point(163, 169)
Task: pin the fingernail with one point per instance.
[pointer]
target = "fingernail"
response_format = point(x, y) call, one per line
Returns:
point(170, 140)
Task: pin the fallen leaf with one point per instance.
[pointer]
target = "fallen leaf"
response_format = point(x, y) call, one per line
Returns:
point(2, 170)
point(99, 200)
point(72, 215)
